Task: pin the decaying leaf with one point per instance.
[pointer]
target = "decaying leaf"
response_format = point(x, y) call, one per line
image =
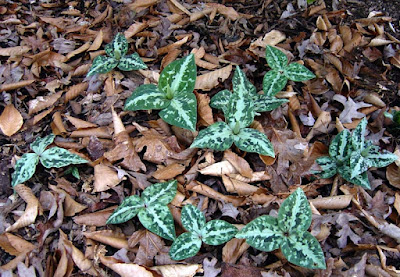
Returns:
point(210, 80)
point(10, 120)
point(105, 178)
point(350, 108)
point(126, 269)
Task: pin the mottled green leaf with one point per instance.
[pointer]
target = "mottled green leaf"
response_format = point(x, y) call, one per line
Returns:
point(298, 73)
point(220, 100)
point(358, 164)
point(146, 97)
point(218, 136)
point(127, 210)
point(381, 159)
point(304, 250)
point(360, 180)
point(161, 193)
point(294, 214)
point(339, 147)
point(118, 47)
point(217, 232)
point(263, 233)
point(59, 157)
point(185, 246)
point(24, 168)
point(241, 85)
point(251, 140)
point(240, 112)
point(131, 62)
point(273, 82)
point(192, 219)
point(102, 64)
point(358, 135)
point(40, 144)
point(264, 103)
point(158, 219)
point(276, 59)
point(182, 111)
point(328, 166)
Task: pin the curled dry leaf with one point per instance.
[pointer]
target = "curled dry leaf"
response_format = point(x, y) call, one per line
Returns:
point(97, 41)
point(64, 263)
point(126, 269)
point(14, 51)
point(169, 171)
point(204, 110)
point(75, 91)
point(209, 192)
point(241, 165)
point(393, 175)
point(235, 186)
point(210, 80)
point(71, 207)
point(98, 218)
point(233, 249)
point(79, 123)
point(272, 38)
point(105, 178)
point(178, 270)
point(15, 245)
point(337, 202)
point(109, 237)
point(41, 103)
point(10, 120)
point(219, 169)
point(17, 85)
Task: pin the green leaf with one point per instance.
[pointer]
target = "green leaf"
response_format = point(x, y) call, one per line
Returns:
point(358, 164)
point(185, 246)
point(360, 180)
point(24, 168)
point(75, 172)
point(102, 64)
point(381, 159)
point(40, 144)
point(131, 62)
point(182, 111)
point(118, 47)
point(276, 59)
point(158, 219)
point(240, 112)
point(273, 82)
point(161, 193)
point(192, 219)
point(251, 140)
point(328, 166)
point(264, 103)
point(218, 136)
point(304, 250)
point(220, 100)
point(146, 97)
point(217, 232)
point(263, 233)
point(127, 210)
point(358, 135)
point(298, 73)
point(241, 85)
point(59, 157)
point(294, 214)
point(179, 76)
point(339, 148)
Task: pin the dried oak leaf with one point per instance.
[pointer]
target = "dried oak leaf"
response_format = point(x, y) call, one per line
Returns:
point(10, 120)
point(350, 108)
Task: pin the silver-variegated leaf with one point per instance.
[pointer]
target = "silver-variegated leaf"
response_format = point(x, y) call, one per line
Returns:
point(240, 112)
point(182, 111)
point(273, 82)
point(193, 219)
point(218, 137)
point(358, 135)
point(360, 180)
point(304, 250)
point(220, 100)
point(118, 47)
point(381, 159)
point(251, 140)
point(146, 97)
point(294, 214)
point(263, 233)
point(264, 103)
point(59, 157)
point(298, 73)
point(276, 59)
point(328, 165)
point(24, 168)
point(217, 232)
point(131, 62)
point(185, 246)
point(340, 149)
point(101, 65)
point(158, 219)
point(128, 209)
point(241, 85)
point(358, 164)
point(40, 144)
point(161, 193)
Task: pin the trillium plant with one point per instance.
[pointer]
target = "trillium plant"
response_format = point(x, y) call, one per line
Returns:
point(350, 155)
point(173, 96)
point(288, 232)
point(116, 57)
point(58, 157)
point(214, 232)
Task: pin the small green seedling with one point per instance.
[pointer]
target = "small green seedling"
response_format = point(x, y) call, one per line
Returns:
point(173, 96)
point(116, 51)
point(288, 232)
point(53, 157)
point(151, 209)
point(351, 155)
point(214, 232)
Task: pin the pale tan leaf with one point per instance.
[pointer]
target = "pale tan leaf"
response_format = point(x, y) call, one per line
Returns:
point(233, 249)
point(135, 28)
point(210, 80)
point(62, 266)
point(15, 245)
point(219, 169)
point(79, 123)
point(235, 186)
point(97, 41)
point(204, 110)
point(58, 124)
point(257, 177)
point(98, 218)
point(71, 207)
point(104, 178)
point(100, 132)
point(14, 51)
point(41, 115)
point(17, 85)
point(337, 202)
point(393, 175)
point(75, 91)
point(272, 38)
point(109, 237)
point(139, 5)
point(169, 171)
point(10, 120)
point(41, 103)
point(125, 269)
point(178, 270)
point(241, 165)
point(209, 192)
point(79, 50)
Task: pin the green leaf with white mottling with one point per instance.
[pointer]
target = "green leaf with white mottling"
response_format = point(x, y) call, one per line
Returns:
point(59, 157)
point(220, 100)
point(185, 246)
point(218, 136)
point(358, 164)
point(276, 59)
point(131, 62)
point(273, 82)
point(118, 47)
point(251, 140)
point(303, 249)
point(360, 180)
point(179, 76)
point(240, 112)
point(192, 219)
point(294, 214)
point(264, 103)
point(241, 85)
point(263, 233)
point(158, 219)
point(24, 168)
point(161, 193)
point(381, 159)
point(298, 73)
point(328, 165)
point(339, 147)
point(102, 64)
point(146, 97)
point(128, 209)
point(358, 135)
point(217, 232)
point(182, 111)
point(40, 144)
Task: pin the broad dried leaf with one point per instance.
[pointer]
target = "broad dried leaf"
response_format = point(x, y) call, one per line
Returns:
point(204, 110)
point(241, 165)
point(75, 90)
point(169, 171)
point(79, 123)
point(10, 120)
point(178, 270)
point(14, 51)
point(41, 103)
point(104, 178)
point(125, 269)
point(219, 169)
point(15, 245)
point(210, 80)
point(233, 249)
point(109, 237)
point(350, 108)
point(98, 218)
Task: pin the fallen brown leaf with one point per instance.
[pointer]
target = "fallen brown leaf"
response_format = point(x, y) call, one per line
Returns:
point(169, 171)
point(210, 80)
point(10, 120)
point(127, 269)
point(104, 178)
